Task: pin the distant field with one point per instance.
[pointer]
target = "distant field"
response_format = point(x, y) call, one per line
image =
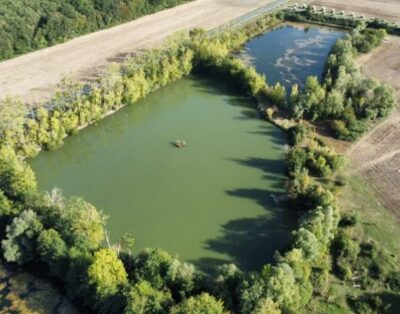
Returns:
point(377, 155)
point(386, 9)
point(35, 76)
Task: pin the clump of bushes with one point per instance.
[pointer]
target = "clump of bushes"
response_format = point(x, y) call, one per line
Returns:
point(297, 134)
point(320, 161)
point(364, 263)
point(365, 40)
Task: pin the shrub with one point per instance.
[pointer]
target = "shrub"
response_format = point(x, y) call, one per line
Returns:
point(201, 304)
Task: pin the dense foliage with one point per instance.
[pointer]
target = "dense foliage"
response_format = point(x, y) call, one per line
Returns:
point(27, 25)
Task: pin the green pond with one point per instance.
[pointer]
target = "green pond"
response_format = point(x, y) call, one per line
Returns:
point(210, 202)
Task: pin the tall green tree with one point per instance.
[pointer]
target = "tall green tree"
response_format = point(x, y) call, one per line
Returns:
point(106, 273)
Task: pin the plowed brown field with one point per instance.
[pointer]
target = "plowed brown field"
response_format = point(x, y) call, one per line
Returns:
point(377, 155)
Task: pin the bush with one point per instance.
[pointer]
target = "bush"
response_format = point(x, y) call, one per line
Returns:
point(201, 304)
point(297, 134)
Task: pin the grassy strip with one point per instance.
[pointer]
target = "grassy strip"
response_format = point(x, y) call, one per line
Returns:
point(377, 223)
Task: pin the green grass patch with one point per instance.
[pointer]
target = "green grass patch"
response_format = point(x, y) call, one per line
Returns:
point(377, 222)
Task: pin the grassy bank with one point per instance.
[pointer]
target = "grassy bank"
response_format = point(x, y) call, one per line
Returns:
point(376, 221)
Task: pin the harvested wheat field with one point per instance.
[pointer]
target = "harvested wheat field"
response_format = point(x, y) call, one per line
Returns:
point(386, 9)
point(377, 155)
point(35, 76)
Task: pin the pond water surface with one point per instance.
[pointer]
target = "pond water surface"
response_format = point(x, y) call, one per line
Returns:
point(209, 202)
point(290, 53)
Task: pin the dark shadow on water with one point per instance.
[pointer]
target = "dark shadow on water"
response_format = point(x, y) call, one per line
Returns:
point(268, 166)
point(250, 243)
point(249, 114)
point(215, 85)
point(275, 134)
point(260, 196)
point(208, 265)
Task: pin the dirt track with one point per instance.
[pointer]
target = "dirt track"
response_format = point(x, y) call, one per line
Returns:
point(386, 9)
point(377, 155)
point(35, 76)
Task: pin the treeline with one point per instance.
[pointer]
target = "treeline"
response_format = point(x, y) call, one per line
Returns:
point(27, 25)
point(337, 19)
point(349, 99)
point(75, 107)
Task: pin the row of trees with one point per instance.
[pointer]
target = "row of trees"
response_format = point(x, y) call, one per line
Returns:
point(351, 22)
point(29, 25)
point(75, 107)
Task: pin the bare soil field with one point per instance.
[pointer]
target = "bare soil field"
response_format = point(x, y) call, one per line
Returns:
point(376, 156)
point(35, 76)
point(386, 9)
